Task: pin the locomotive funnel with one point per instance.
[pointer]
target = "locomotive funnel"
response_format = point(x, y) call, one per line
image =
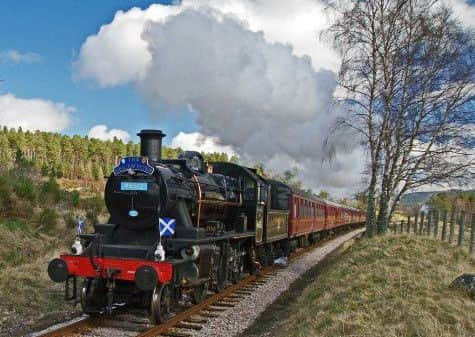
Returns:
point(151, 144)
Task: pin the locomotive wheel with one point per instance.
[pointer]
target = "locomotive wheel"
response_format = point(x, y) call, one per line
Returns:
point(92, 296)
point(161, 304)
point(199, 293)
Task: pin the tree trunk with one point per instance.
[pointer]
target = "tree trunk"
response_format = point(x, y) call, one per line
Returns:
point(371, 210)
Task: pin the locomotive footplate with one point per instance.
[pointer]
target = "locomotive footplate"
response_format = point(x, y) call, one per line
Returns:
point(247, 234)
point(179, 243)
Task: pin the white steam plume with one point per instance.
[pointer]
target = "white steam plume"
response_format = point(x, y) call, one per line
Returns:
point(249, 93)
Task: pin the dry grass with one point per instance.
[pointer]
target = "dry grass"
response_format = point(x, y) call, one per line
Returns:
point(28, 296)
point(390, 286)
point(456, 230)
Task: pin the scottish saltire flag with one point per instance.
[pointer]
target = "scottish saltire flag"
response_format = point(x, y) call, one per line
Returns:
point(80, 226)
point(166, 226)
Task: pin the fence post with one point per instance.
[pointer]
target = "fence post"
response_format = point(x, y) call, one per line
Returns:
point(402, 226)
point(472, 236)
point(453, 216)
point(436, 223)
point(461, 229)
point(444, 226)
point(415, 222)
point(408, 224)
point(421, 225)
point(429, 222)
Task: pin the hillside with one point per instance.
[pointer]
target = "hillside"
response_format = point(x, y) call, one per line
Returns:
point(37, 222)
point(410, 199)
point(388, 286)
point(74, 158)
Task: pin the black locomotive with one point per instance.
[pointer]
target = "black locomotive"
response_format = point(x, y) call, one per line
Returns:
point(178, 228)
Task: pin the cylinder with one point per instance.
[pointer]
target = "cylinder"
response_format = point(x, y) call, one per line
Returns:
point(151, 144)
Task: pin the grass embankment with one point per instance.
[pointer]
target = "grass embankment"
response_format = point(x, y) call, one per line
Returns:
point(389, 286)
point(37, 222)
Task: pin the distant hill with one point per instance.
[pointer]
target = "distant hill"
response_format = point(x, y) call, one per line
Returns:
point(410, 199)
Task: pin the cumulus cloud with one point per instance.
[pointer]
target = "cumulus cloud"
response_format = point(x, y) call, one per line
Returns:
point(118, 54)
point(463, 11)
point(252, 90)
point(101, 132)
point(34, 113)
point(15, 56)
point(196, 141)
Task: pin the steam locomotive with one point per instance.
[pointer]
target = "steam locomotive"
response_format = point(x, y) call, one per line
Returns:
point(180, 228)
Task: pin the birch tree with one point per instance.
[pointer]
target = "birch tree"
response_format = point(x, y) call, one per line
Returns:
point(408, 86)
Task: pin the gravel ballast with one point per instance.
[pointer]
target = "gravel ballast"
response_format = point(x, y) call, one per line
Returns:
point(234, 321)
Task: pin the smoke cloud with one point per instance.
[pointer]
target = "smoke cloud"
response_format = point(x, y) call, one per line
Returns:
point(248, 91)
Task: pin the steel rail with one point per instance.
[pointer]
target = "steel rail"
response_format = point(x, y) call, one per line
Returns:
point(78, 327)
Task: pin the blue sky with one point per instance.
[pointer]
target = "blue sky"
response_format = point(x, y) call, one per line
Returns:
point(56, 30)
point(253, 71)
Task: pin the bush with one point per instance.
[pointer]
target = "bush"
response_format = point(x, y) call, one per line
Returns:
point(94, 207)
point(48, 219)
point(26, 189)
point(51, 190)
point(69, 220)
point(75, 198)
point(6, 190)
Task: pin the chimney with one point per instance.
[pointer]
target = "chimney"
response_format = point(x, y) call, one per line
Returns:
point(151, 144)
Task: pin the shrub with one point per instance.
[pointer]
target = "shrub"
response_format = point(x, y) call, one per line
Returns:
point(94, 207)
point(69, 220)
point(75, 198)
point(48, 219)
point(26, 189)
point(6, 190)
point(51, 190)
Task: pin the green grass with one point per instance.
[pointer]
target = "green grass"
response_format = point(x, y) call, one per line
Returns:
point(15, 225)
point(456, 230)
point(390, 286)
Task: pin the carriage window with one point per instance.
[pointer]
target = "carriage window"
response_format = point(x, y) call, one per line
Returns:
point(249, 189)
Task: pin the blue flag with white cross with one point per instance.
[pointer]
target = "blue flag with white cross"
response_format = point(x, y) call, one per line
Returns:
point(166, 226)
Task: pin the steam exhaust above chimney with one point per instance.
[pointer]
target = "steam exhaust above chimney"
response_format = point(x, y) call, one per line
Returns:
point(151, 144)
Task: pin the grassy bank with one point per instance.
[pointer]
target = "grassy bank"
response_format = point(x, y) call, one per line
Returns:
point(37, 222)
point(389, 286)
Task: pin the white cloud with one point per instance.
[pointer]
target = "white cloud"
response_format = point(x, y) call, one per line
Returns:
point(118, 54)
point(101, 132)
point(196, 141)
point(16, 56)
point(34, 113)
point(463, 11)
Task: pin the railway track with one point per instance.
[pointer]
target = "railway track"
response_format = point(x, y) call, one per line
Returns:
point(185, 323)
